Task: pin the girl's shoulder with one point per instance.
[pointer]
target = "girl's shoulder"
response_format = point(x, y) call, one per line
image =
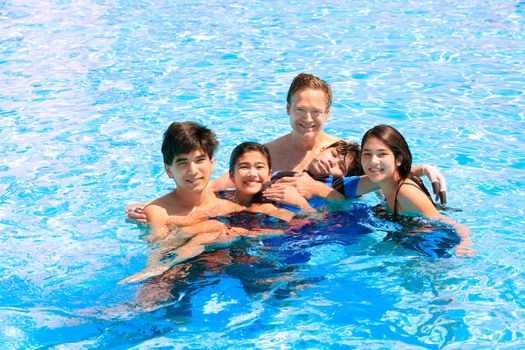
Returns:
point(414, 186)
point(413, 199)
point(410, 190)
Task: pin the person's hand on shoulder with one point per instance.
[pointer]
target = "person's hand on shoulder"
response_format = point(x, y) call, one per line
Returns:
point(135, 213)
point(439, 186)
point(304, 183)
point(286, 193)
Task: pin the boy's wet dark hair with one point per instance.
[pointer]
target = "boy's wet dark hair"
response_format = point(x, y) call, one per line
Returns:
point(309, 81)
point(186, 137)
point(249, 146)
point(344, 148)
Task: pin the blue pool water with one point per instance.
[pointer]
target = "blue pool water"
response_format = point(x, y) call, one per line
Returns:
point(88, 87)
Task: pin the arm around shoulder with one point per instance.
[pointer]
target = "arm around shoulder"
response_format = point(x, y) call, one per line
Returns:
point(439, 185)
point(157, 218)
point(222, 182)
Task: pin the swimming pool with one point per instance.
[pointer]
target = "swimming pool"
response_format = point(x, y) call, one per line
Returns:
point(88, 87)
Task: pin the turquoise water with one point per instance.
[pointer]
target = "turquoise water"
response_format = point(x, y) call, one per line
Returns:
point(88, 87)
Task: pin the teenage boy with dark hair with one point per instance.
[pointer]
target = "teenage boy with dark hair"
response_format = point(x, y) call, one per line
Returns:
point(187, 149)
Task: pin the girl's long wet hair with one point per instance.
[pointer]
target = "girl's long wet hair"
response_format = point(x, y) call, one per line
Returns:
point(399, 147)
point(396, 143)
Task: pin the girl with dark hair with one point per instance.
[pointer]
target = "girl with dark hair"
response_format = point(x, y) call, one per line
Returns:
point(386, 161)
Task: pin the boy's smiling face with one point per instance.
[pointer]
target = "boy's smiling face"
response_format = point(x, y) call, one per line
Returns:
point(191, 171)
point(251, 172)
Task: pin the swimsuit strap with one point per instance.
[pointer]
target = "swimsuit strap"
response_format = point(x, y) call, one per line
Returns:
point(419, 184)
point(422, 187)
point(395, 198)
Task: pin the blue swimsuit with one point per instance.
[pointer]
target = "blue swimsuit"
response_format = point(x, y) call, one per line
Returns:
point(346, 185)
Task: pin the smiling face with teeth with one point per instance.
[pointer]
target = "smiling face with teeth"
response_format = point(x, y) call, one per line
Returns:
point(251, 171)
point(385, 155)
point(187, 150)
point(379, 162)
point(308, 111)
point(191, 171)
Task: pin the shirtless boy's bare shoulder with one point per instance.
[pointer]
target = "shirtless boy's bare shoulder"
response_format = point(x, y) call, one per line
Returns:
point(224, 206)
point(157, 217)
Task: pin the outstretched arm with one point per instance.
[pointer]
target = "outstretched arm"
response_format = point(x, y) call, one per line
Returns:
point(439, 186)
point(289, 195)
point(182, 235)
point(462, 249)
point(308, 187)
point(135, 212)
point(157, 219)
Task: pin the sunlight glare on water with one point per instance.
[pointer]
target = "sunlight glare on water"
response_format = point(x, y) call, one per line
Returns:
point(88, 87)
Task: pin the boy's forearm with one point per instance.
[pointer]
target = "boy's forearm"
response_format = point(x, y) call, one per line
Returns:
point(325, 191)
point(417, 170)
point(157, 232)
point(221, 183)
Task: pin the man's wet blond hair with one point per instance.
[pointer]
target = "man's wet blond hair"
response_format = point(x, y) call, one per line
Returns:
point(309, 81)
